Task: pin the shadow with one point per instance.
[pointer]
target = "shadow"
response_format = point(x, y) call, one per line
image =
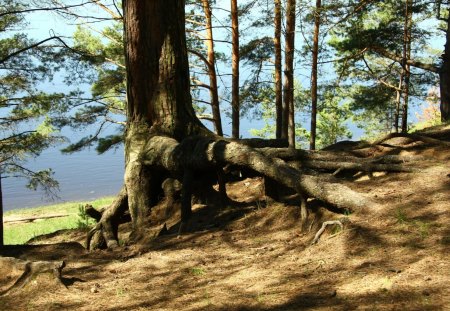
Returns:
point(72, 280)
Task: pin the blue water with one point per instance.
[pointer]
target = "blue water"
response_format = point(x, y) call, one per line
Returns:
point(82, 176)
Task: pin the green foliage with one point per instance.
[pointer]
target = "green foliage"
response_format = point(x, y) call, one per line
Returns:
point(26, 111)
point(196, 271)
point(84, 221)
point(332, 121)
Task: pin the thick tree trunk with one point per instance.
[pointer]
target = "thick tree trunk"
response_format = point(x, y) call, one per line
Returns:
point(235, 106)
point(158, 92)
point(278, 68)
point(288, 105)
point(315, 55)
point(212, 69)
point(165, 139)
point(444, 75)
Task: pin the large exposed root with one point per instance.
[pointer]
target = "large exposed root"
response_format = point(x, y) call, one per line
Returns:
point(105, 232)
point(196, 156)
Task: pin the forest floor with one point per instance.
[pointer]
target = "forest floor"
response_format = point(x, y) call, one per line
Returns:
point(253, 256)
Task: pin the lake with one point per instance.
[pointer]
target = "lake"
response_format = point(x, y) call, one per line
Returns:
point(82, 176)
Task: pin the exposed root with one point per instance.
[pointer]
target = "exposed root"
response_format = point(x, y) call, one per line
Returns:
point(105, 234)
point(30, 270)
point(322, 229)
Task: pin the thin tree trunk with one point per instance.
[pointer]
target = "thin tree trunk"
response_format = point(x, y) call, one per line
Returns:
point(315, 55)
point(406, 66)
point(278, 73)
point(398, 99)
point(288, 107)
point(235, 70)
point(444, 75)
point(212, 70)
point(1, 211)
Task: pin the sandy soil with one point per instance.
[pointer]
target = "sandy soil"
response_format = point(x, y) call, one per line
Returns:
point(253, 256)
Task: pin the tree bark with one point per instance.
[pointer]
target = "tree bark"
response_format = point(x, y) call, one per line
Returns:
point(289, 111)
point(278, 68)
point(398, 103)
point(315, 55)
point(212, 69)
point(405, 65)
point(158, 93)
point(207, 153)
point(235, 118)
point(164, 139)
point(444, 75)
point(1, 212)
point(105, 233)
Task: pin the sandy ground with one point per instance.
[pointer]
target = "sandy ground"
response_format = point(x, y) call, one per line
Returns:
point(255, 257)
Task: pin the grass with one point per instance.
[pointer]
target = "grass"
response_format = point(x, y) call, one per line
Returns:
point(21, 232)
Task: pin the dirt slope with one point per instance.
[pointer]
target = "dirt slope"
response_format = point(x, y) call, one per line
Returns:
point(253, 256)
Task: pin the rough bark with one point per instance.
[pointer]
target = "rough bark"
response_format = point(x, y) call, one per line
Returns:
point(105, 233)
point(211, 64)
point(406, 66)
point(278, 68)
point(165, 139)
point(202, 154)
point(315, 55)
point(398, 102)
point(444, 75)
point(288, 88)
point(235, 106)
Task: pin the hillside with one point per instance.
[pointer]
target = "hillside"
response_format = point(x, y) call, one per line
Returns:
point(253, 255)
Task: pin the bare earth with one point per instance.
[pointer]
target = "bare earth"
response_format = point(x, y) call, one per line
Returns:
point(254, 256)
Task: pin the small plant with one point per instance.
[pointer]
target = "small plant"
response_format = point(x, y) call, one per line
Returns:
point(400, 215)
point(84, 220)
point(336, 229)
point(197, 271)
point(260, 297)
point(424, 229)
point(120, 292)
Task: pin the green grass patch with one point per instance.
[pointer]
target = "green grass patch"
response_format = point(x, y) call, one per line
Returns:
point(21, 232)
point(197, 271)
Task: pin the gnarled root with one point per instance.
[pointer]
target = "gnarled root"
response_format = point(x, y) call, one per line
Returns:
point(29, 269)
point(104, 234)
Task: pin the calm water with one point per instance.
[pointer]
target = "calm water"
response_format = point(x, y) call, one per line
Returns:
point(82, 176)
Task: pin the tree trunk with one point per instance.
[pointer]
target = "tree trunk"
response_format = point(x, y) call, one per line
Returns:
point(406, 66)
point(212, 70)
point(278, 68)
point(1, 212)
point(288, 106)
point(158, 92)
point(315, 55)
point(444, 75)
point(164, 139)
point(235, 70)
point(398, 99)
